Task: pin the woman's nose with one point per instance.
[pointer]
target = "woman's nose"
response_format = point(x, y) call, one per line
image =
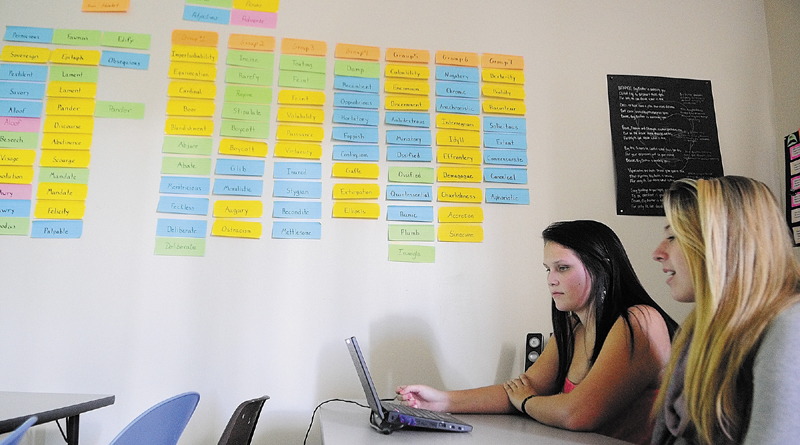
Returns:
point(659, 254)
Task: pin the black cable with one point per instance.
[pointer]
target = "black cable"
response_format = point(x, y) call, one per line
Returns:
point(62, 432)
point(328, 401)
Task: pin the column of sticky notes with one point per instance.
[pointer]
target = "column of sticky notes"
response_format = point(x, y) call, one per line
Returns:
point(409, 153)
point(458, 141)
point(504, 129)
point(186, 164)
point(356, 99)
point(244, 131)
point(298, 183)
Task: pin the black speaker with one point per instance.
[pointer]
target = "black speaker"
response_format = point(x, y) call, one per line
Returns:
point(533, 347)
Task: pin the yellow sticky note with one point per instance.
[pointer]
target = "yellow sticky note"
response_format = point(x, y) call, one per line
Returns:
point(459, 194)
point(458, 138)
point(257, 5)
point(298, 150)
point(458, 156)
point(105, 5)
point(50, 209)
point(251, 42)
point(189, 107)
point(459, 174)
point(304, 47)
point(88, 57)
point(301, 97)
point(460, 233)
point(502, 61)
point(457, 58)
point(199, 54)
point(185, 37)
point(192, 71)
point(356, 191)
point(192, 90)
point(189, 127)
point(503, 76)
point(460, 214)
point(69, 106)
point(17, 157)
point(65, 158)
point(458, 121)
point(416, 87)
point(16, 174)
point(238, 209)
point(408, 55)
point(61, 191)
point(24, 54)
point(239, 147)
point(236, 229)
point(409, 103)
point(68, 124)
point(300, 133)
point(359, 52)
point(363, 210)
point(515, 107)
point(301, 115)
point(355, 170)
point(66, 141)
point(504, 91)
point(407, 71)
point(58, 88)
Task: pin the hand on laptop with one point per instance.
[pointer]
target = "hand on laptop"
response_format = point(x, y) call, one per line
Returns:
point(425, 397)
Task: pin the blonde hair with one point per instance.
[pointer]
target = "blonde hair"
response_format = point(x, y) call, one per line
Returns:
point(739, 253)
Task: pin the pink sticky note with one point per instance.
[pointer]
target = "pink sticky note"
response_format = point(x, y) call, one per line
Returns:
point(255, 19)
point(20, 124)
point(16, 191)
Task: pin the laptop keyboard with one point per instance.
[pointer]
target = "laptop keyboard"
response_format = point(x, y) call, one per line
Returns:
point(417, 412)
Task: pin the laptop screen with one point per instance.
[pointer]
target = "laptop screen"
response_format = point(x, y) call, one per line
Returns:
point(363, 375)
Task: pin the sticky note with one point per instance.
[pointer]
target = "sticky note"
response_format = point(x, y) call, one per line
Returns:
point(67, 73)
point(30, 73)
point(207, 15)
point(21, 90)
point(65, 175)
point(190, 107)
point(355, 134)
point(192, 71)
point(9, 139)
point(50, 209)
point(409, 153)
point(489, 60)
point(239, 167)
point(62, 191)
point(407, 103)
point(304, 47)
point(15, 174)
point(250, 59)
point(355, 117)
point(409, 213)
point(421, 175)
point(239, 147)
point(183, 37)
point(256, 19)
point(65, 158)
point(15, 208)
point(181, 205)
point(458, 74)
point(251, 42)
point(24, 54)
point(69, 124)
point(184, 185)
point(57, 229)
point(299, 133)
point(192, 90)
point(238, 187)
point(244, 129)
point(457, 89)
point(423, 193)
point(458, 138)
point(17, 157)
point(408, 119)
point(214, 3)
point(236, 229)
point(459, 194)
point(460, 233)
point(458, 156)
point(308, 64)
point(356, 152)
point(458, 174)
point(407, 72)
point(14, 226)
point(297, 210)
point(458, 121)
point(248, 94)
point(15, 192)
point(71, 89)
point(243, 111)
point(503, 76)
point(20, 108)
point(301, 115)
point(492, 124)
point(28, 34)
point(415, 87)
point(504, 107)
point(297, 79)
point(293, 97)
point(408, 137)
point(180, 246)
point(87, 57)
point(412, 232)
point(359, 52)
point(182, 228)
point(119, 110)
point(356, 100)
point(451, 214)
point(238, 209)
point(66, 141)
point(358, 210)
point(355, 170)
point(20, 124)
point(249, 76)
point(198, 54)
point(457, 58)
point(506, 175)
point(297, 170)
point(407, 253)
point(505, 140)
point(125, 40)
point(508, 196)
point(503, 91)
point(357, 84)
point(105, 5)
point(77, 37)
point(171, 165)
point(300, 150)
point(296, 230)
point(65, 106)
point(505, 157)
point(356, 191)
point(353, 68)
point(297, 189)
point(459, 106)
point(187, 145)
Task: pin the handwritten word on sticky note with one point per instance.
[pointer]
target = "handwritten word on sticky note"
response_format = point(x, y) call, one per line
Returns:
point(360, 52)
point(305, 133)
point(87, 57)
point(239, 147)
point(181, 228)
point(10, 225)
point(105, 5)
point(407, 253)
point(409, 213)
point(50, 209)
point(68, 124)
point(61, 191)
point(458, 156)
point(297, 210)
point(128, 40)
point(70, 106)
point(357, 210)
point(246, 111)
point(13, 174)
point(187, 145)
point(356, 191)
point(458, 138)
point(460, 214)
point(419, 175)
point(77, 37)
point(185, 37)
point(71, 89)
point(191, 107)
point(236, 229)
point(65, 175)
point(17, 157)
point(410, 103)
point(293, 97)
point(459, 174)
point(120, 59)
point(355, 170)
point(251, 42)
point(9, 139)
point(198, 54)
point(423, 193)
point(238, 209)
point(412, 232)
point(304, 47)
point(119, 110)
point(24, 54)
point(181, 205)
point(207, 15)
point(28, 34)
point(16, 192)
point(255, 19)
point(504, 107)
point(65, 158)
point(460, 233)
point(459, 194)
point(415, 87)
point(57, 229)
point(66, 141)
point(296, 230)
point(186, 166)
point(300, 150)
point(180, 246)
point(192, 90)
point(408, 55)
point(508, 196)
point(70, 73)
point(457, 58)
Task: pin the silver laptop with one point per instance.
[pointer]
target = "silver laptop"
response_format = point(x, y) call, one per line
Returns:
point(387, 416)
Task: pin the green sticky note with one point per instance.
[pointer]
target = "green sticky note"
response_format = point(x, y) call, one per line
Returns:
point(247, 94)
point(306, 64)
point(187, 145)
point(250, 112)
point(418, 175)
point(412, 254)
point(357, 69)
point(64, 175)
point(217, 3)
point(180, 246)
point(412, 232)
point(14, 226)
point(126, 40)
point(12, 139)
point(296, 79)
point(68, 73)
point(244, 129)
point(119, 110)
point(251, 59)
point(249, 76)
point(77, 37)
point(185, 166)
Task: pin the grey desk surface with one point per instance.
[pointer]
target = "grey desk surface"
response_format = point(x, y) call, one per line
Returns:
point(349, 424)
point(16, 407)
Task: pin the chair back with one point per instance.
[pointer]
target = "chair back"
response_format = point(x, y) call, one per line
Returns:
point(162, 424)
point(243, 423)
point(16, 436)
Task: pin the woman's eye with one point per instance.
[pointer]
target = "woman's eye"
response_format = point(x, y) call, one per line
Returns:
point(563, 268)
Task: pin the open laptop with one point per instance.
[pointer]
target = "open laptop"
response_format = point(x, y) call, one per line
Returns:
point(387, 416)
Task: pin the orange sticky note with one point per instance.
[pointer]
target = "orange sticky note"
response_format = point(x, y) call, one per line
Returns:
point(195, 38)
point(457, 58)
point(489, 60)
point(106, 5)
point(304, 47)
point(359, 52)
point(408, 55)
point(251, 43)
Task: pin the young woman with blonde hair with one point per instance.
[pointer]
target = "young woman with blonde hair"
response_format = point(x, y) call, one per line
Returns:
point(727, 248)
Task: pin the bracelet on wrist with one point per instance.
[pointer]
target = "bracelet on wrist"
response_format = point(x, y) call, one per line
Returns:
point(522, 406)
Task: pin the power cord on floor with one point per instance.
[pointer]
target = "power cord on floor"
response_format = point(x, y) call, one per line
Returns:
point(320, 405)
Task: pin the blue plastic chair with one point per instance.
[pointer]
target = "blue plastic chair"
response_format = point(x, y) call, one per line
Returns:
point(16, 435)
point(162, 424)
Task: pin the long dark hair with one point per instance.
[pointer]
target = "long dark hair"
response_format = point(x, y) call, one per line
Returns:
point(615, 287)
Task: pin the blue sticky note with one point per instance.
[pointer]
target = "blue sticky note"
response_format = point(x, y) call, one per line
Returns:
point(493, 124)
point(239, 167)
point(182, 228)
point(506, 175)
point(505, 157)
point(458, 89)
point(409, 153)
point(184, 206)
point(358, 84)
point(409, 193)
point(28, 34)
point(355, 117)
point(238, 187)
point(184, 185)
point(297, 189)
point(16, 71)
point(458, 106)
point(369, 153)
point(21, 90)
point(122, 59)
point(367, 135)
point(297, 170)
point(15, 208)
point(408, 119)
point(297, 209)
point(458, 73)
point(207, 15)
point(20, 108)
point(408, 137)
point(505, 140)
point(409, 213)
point(508, 196)
point(357, 100)
point(57, 229)
point(296, 230)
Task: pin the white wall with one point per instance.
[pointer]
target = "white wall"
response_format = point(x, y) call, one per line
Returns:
point(102, 314)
